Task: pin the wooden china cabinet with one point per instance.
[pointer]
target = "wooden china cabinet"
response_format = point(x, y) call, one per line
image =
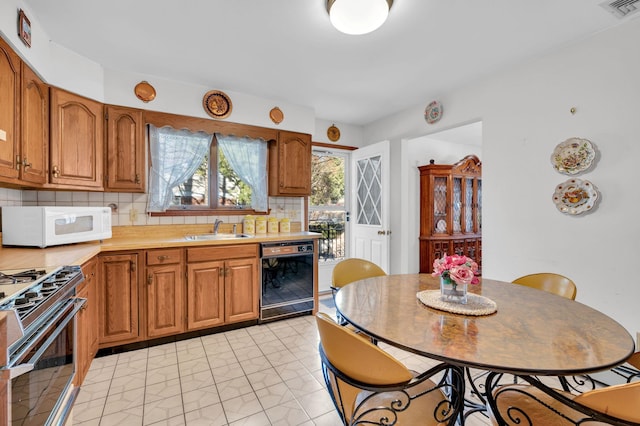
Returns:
point(450, 211)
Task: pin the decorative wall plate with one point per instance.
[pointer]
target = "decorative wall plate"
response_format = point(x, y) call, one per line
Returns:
point(217, 104)
point(276, 115)
point(573, 156)
point(333, 133)
point(575, 196)
point(433, 112)
point(145, 91)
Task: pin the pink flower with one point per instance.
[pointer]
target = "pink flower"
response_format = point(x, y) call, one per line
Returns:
point(461, 269)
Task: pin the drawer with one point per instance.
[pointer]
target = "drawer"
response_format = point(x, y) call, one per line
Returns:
point(203, 254)
point(164, 256)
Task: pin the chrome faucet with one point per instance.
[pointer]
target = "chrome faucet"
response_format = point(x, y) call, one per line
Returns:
point(216, 224)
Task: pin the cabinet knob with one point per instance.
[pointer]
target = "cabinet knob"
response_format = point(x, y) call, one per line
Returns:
point(26, 163)
point(55, 172)
point(163, 258)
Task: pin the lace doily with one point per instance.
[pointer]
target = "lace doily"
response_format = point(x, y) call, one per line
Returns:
point(476, 305)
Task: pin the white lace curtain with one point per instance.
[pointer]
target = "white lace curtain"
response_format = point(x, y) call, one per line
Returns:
point(175, 156)
point(248, 158)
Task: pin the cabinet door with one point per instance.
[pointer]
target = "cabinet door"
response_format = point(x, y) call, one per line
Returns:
point(290, 165)
point(205, 294)
point(90, 270)
point(9, 110)
point(34, 164)
point(165, 300)
point(125, 150)
point(118, 296)
point(82, 351)
point(241, 290)
point(76, 147)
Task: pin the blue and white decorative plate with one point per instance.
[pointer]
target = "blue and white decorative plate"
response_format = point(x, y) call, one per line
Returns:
point(433, 112)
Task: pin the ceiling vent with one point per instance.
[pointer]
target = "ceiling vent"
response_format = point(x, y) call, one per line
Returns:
point(622, 8)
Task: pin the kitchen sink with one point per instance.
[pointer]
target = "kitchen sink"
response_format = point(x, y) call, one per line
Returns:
point(205, 237)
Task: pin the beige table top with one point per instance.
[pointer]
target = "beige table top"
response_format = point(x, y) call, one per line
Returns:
point(532, 332)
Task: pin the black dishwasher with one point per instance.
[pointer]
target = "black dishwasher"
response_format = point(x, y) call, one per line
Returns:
point(287, 270)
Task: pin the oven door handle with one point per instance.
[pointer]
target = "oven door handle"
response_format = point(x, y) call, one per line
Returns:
point(21, 369)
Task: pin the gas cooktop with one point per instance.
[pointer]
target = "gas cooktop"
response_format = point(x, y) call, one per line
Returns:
point(31, 292)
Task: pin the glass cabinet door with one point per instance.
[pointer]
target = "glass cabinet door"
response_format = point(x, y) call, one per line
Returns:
point(468, 205)
point(439, 205)
point(457, 204)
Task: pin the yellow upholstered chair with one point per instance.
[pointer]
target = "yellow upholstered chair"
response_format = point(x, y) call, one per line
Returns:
point(353, 269)
point(520, 404)
point(550, 282)
point(369, 386)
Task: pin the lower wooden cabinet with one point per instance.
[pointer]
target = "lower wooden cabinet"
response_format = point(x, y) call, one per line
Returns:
point(87, 321)
point(118, 295)
point(164, 293)
point(222, 285)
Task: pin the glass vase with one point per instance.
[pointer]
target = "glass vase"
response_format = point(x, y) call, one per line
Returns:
point(452, 292)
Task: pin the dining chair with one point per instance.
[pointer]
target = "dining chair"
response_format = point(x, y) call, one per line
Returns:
point(549, 282)
point(369, 386)
point(353, 269)
point(519, 404)
point(349, 270)
point(630, 370)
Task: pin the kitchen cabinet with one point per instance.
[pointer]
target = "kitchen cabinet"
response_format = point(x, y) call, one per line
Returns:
point(9, 111)
point(118, 298)
point(125, 149)
point(222, 285)
point(450, 211)
point(290, 165)
point(87, 321)
point(33, 160)
point(76, 141)
point(164, 286)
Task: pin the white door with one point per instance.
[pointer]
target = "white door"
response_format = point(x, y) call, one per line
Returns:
point(370, 206)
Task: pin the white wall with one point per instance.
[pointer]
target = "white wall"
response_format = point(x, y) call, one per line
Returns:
point(525, 113)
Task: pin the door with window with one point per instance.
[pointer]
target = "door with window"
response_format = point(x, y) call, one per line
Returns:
point(328, 213)
point(370, 219)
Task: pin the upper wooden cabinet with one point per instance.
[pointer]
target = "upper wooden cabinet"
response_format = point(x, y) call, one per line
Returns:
point(125, 165)
point(9, 111)
point(450, 211)
point(33, 163)
point(290, 165)
point(76, 150)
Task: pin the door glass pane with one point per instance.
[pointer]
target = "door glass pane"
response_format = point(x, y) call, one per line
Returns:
point(369, 191)
point(327, 212)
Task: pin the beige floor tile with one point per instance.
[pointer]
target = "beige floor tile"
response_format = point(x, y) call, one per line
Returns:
point(129, 417)
point(241, 407)
point(196, 381)
point(258, 419)
point(123, 401)
point(200, 398)
point(212, 415)
point(274, 395)
point(162, 390)
point(233, 388)
point(162, 409)
point(289, 413)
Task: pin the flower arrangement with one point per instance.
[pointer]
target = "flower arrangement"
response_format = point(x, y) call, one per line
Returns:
point(456, 269)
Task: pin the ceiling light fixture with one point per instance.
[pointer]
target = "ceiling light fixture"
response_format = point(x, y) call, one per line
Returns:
point(357, 17)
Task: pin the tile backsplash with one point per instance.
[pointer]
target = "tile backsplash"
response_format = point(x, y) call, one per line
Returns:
point(130, 208)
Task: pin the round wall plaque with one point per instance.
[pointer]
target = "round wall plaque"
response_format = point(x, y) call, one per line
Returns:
point(217, 104)
point(333, 133)
point(433, 112)
point(145, 91)
point(276, 115)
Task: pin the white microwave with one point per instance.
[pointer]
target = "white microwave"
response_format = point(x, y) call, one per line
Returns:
point(43, 226)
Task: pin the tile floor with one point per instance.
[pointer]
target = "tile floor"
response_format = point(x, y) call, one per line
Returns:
point(261, 375)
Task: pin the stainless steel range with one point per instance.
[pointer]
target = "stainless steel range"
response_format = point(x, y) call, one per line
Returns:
point(37, 358)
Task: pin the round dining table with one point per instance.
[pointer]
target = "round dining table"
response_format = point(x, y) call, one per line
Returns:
point(532, 332)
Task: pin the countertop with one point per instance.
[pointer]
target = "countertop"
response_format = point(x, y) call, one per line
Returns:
point(128, 238)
